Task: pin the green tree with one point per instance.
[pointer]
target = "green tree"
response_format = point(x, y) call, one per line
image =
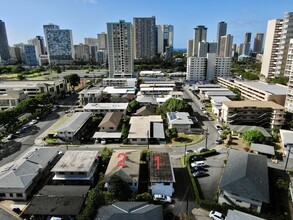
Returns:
point(21, 77)
point(172, 133)
point(58, 69)
point(172, 105)
point(288, 120)
point(17, 69)
point(119, 188)
point(73, 80)
point(133, 106)
point(106, 155)
point(253, 136)
point(282, 185)
point(143, 197)
point(279, 79)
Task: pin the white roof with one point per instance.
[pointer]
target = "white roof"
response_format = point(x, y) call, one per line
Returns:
point(107, 135)
point(90, 106)
point(140, 125)
point(179, 118)
point(120, 90)
point(219, 98)
point(157, 89)
point(76, 161)
point(276, 89)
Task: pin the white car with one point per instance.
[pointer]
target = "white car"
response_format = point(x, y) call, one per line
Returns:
point(34, 121)
point(216, 215)
point(197, 164)
point(191, 151)
point(162, 198)
point(103, 141)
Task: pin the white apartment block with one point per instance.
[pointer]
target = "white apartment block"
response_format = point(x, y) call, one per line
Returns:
point(196, 68)
point(122, 82)
point(259, 113)
point(90, 95)
point(257, 91)
point(289, 72)
point(222, 66)
point(226, 46)
point(120, 49)
point(12, 98)
point(279, 33)
point(103, 108)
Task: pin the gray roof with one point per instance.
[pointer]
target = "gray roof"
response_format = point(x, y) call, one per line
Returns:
point(130, 211)
point(58, 200)
point(76, 121)
point(163, 173)
point(145, 110)
point(146, 99)
point(158, 131)
point(243, 128)
point(287, 136)
point(237, 215)
point(6, 215)
point(21, 172)
point(218, 93)
point(263, 148)
point(246, 175)
point(275, 89)
point(130, 172)
point(176, 118)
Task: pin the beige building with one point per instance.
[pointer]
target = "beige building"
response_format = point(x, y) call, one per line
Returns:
point(12, 98)
point(260, 113)
point(289, 72)
point(257, 91)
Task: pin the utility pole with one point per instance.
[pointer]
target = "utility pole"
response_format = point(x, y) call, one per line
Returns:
point(207, 134)
point(289, 151)
point(148, 140)
point(185, 155)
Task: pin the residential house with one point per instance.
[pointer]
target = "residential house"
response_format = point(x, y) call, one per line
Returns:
point(75, 128)
point(19, 178)
point(245, 181)
point(260, 113)
point(63, 201)
point(130, 211)
point(79, 165)
point(238, 130)
point(263, 149)
point(146, 129)
point(125, 164)
point(162, 178)
point(180, 120)
point(103, 108)
point(145, 111)
point(111, 122)
point(216, 102)
point(238, 215)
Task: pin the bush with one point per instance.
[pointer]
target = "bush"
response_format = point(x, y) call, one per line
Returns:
point(143, 197)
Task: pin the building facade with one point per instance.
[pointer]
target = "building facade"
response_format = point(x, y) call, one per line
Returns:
point(289, 72)
point(200, 34)
point(59, 45)
point(4, 47)
point(264, 114)
point(196, 68)
point(165, 36)
point(82, 52)
point(120, 51)
point(226, 46)
point(144, 37)
point(12, 98)
point(222, 31)
point(102, 41)
point(30, 55)
point(39, 43)
point(258, 43)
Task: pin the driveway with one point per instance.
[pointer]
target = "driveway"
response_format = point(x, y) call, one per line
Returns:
point(215, 166)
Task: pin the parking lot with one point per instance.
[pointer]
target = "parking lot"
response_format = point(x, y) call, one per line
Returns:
point(215, 167)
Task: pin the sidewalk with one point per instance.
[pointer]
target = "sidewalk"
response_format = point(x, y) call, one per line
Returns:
point(200, 214)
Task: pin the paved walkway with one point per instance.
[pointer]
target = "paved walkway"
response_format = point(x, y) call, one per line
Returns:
point(201, 214)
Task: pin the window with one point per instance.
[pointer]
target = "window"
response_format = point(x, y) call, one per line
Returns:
point(2, 195)
point(134, 139)
point(61, 173)
point(111, 128)
point(18, 195)
point(71, 173)
point(166, 184)
point(81, 173)
point(11, 194)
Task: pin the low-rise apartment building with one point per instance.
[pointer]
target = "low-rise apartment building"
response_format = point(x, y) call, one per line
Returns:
point(180, 120)
point(76, 165)
point(103, 108)
point(12, 98)
point(34, 87)
point(120, 82)
point(91, 94)
point(258, 91)
point(260, 113)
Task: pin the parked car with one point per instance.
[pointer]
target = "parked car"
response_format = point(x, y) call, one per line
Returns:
point(103, 141)
point(197, 163)
point(20, 130)
point(191, 151)
point(202, 108)
point(10, 137)
point(199, 173)
point(220, 131)
point(204, 111)
point(219, 141)
point(197, 168)
point(218, 127)
point(162, 198)
point(196, 158)
point(34, 121)
point(216, 215)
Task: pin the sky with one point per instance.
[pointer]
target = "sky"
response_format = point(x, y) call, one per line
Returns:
point(24, 19)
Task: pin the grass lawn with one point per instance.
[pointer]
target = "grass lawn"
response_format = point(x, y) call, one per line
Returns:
point(187, 138)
